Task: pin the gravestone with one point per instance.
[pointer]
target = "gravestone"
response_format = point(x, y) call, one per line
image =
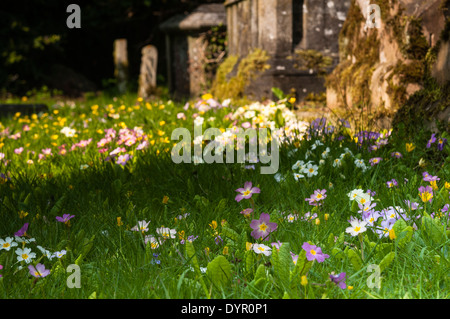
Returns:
point(185, 48)
point(147, 76)
point(121, 64)
point(281, 27)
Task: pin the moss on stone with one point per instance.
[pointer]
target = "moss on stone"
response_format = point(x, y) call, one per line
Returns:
point(233, 76)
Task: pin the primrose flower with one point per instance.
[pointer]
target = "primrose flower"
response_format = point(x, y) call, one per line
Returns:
point(39, 271)
point(65, 218)
point(396, 154)
point(25, 254)
point(246, 212)
point(291, 218)
point(318, 196)
point(152, 240)
point(21, 231)
point(262, 249)
point(142, 226)
point(360, 196)
point(429, 178)
point(310, 170)
point(314, 253)
point(426, 193)
point(339, 279)
point(386, 226)
point(431, 140)
point(166, 232)
point(441, 143)
point(375, 160)
point(59, 254)
point(391, 183)
point(7, 243)
point(357, 227)
point(123, 159)
point(246, 192)
point(262, 227)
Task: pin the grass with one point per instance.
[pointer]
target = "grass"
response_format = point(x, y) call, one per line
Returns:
point(114, 260)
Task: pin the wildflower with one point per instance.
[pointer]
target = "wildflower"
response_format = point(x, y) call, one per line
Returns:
point(298, 165)
point(291, 218)
point(25, 254)
point(142, 226)
point(429, 178)
point(262, 227)
point(371, 217)
point(410, 147)
point(262, 249)
point(304, 280)
point(375, 160)
point(314, 253)
point(337, 162)
point(7, 243)
point(165, 199)
point(360, 196)
point(396, 154)
point(277, 245)
point(246, 212)
point(119, 221)
point(46, 252)
point(357, 227)
point(360, 163)
point(65, 218)
point(386, 226)
point(431, 140)
point(392, 183)
point(339, 279)
point(310, 170)
point(39, 271)
point(315, 198)
point(166, 232)
point(441, 143)
point(298, 176)
point(22, 231)
point(294, 258)
point(246, 192)
point(154, 243)
point(426, 193)
point(59, 254)
point(123, 159)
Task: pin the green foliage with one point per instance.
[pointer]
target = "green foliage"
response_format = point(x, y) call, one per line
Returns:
point(219, 271)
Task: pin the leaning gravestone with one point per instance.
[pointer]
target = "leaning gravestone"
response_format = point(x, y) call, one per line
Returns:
point(147, 76)
point(121, 64)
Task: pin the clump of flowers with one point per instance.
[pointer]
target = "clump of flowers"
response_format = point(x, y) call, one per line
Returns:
point(262, 227)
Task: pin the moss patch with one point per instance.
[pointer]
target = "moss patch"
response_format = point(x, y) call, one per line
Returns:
point(233, 77)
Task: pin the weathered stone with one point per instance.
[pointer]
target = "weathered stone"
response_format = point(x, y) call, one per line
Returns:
point(121, 64)
point(280, 27)
point(185, 48)
point(147, 76)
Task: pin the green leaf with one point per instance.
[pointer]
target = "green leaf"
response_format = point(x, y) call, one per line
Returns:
point(279, 119)
point(192, 257)
point(282, 261)
point(219, 271)
point(278, 93)
point(355, 259)
point(250, 260)
point(301, 268)
point(230, 233)
point(387, 260)
point(58, 206)
point(432, 229)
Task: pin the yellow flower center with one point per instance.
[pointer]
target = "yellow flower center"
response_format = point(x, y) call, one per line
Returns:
point(6, 245)
point(37, 274)
point(24, 256)
point(262, 227)
point(319, 196)
point(363, 200)
point(247, 192)
point(357, 228)
point(261, 248)
point(312, 252)
point(311, 170)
